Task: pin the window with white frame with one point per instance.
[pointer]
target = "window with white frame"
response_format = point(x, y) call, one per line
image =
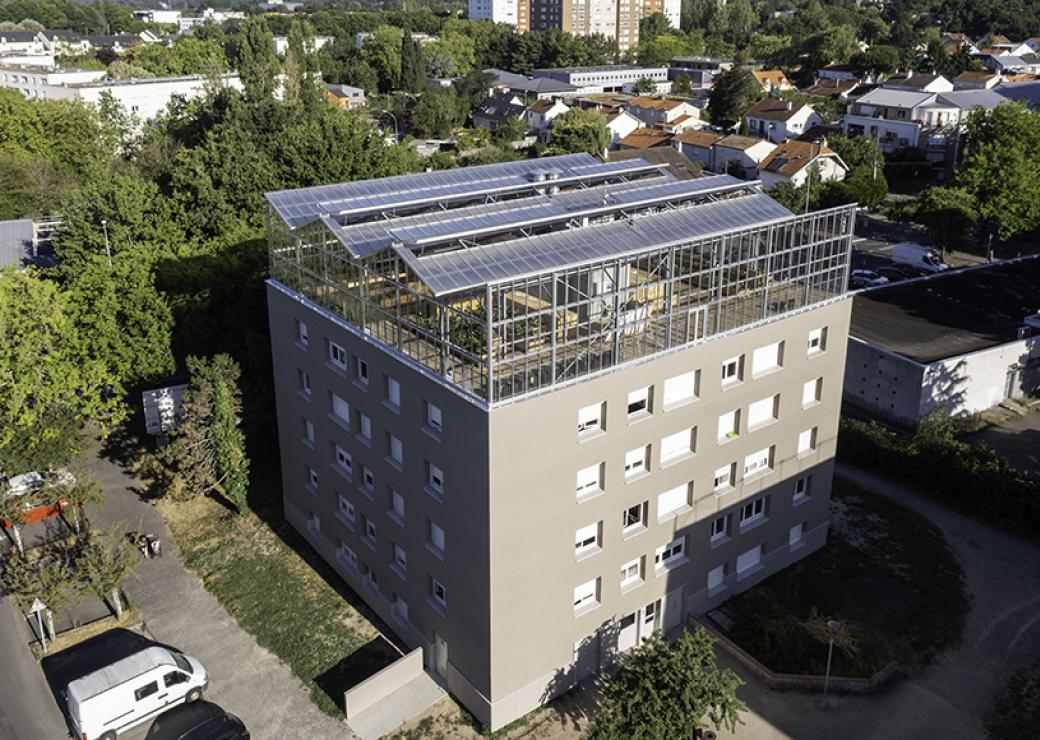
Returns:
point(397, 505)
point(365, 426)
point(337, 355)
point(752, 511)
point(748, 560)
point(733, 370)
point(802, 488)
point(347, 556)
point(395, 448)
point(639, 402)
point(340, 408)
point(368, 478)
point(303, 382)
point(400, 557)
point(308, 431)
point(347, 510)
point(678, 446)
point(590, 480)
point(763, 412)
point(636, 462)
point(344, 461)
point(435, 537)
point(433, 417)
point(631, 573)
point(817, 341)
point(766, 359)
point(587, 539)
point(361, 368)
point(312, 478)
point(806, 441)
point(674, 501)
point(729, 425)
point(438, 593)
point(681, 388)
point(302, 335)
point(758, 463)
point(719, 528)
point(724, 477)
point(796, 535)
point(393, 392)
point(586, 595)
point(434, 478)
point(370, 531)
point(716, 577)
point(812, 392)
point(633, 519)
point(670, 554)
point(591, 420)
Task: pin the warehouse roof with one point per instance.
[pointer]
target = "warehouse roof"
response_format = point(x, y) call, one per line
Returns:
point(950, 314)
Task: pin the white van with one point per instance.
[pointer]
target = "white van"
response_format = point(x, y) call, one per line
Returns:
point(919, 256)
point(132, 690)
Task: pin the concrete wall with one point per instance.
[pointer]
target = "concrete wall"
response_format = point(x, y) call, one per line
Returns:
point(975, 382)
point(884, 383)
point(376, 688)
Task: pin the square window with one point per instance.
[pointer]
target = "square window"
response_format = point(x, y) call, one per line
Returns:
point(812, 392)
point(400, 557)
point(393, 392)
point(365, 426)
point(752, 510)
point(671, 554)
point(636, 462)
point(758, 463)
point(303, 382)
point(678, 446)
point(639, 403)
point(719, 528)
point(587, 539)
point(632, 573)
point(802, 487)
point(807, 441)
point(435, 537)
point(763, 412)
point(817, 341)
point(347, 510)
point(748, 560)
point(633, 519)
point(682, 388)
point(368, 478)
point(729, 425)
point(344, 460)
point(766, 359)
point(438, 592)
point(302, 335)
point(395, 448)
point(308, 431)
point(340, 409)
point(590, 480)
point(586, 596)
point(724, 477)
point(434, 478)
point(716, 577)
point(433, 417)
point(591, 420)
point(361, 368)
point(337, 356)
point(674, 501)
point(347, 556)
point(370, 530)
point(796, 535)
point(733, 370)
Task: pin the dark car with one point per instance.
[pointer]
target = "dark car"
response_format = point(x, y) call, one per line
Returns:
point(199, 720)
point(895, 274)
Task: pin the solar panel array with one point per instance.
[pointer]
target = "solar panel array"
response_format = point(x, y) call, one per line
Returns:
point(465, 269)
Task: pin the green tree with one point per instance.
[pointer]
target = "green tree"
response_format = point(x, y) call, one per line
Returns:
point(437, 113)
point(382, 52)
point(668, 690)
point(413, 65)
point(580, 130)
point(103, 562)
point(877, 60)
point(682, 85)
point(452, 54)
point(773, 51)
point(1015, 714)
point(256, 60)
point(733, 92)
point(82, 491)
point(49, 579)
point(950, 214)
point(651, 26)
point(644, 85)
point(513, 129)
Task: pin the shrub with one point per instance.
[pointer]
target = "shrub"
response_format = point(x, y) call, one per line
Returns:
point(1016, 711)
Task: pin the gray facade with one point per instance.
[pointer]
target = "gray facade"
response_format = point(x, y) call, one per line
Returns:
point(546, 518)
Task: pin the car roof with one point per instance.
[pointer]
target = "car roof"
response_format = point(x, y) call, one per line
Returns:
point(202, 719)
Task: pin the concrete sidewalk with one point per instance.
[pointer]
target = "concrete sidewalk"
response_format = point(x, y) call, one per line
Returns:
point(409, 701)
point(245, 678)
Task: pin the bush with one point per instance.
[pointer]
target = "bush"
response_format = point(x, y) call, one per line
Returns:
point(1016, 711)
point(935, 461)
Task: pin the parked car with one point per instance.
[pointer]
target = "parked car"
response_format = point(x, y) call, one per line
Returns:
point(919, 256)
point(200, 720)
point(866, 279)
point(133, 690)
point(30, 485)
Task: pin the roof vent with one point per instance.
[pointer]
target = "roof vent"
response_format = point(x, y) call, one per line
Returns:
point(553, 173)
point(536, 176)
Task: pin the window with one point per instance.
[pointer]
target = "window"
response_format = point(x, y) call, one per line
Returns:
point(678, 446)
point(147, 690)
point(763, 412)
point(671, 554)
point(719, 528)
point(639, 403)
point(434, 478)
point(590, 480)
point(802, 488)
point(400, 558)
point(748, 560)
point(586, 596)
point(631, 573)
point(752, 511)
point(674, 501)
point(303, 381)
point(433, 417)
point(397, 506)
point(312, 479)
point(633, 519)
point(435, 538)
point(400, 608)
point(347, 556)
point(758, 463)
point(302, 335)
point(729, 425)
point(587, 540)
point(636, 462)
point(347, 510)
point(795, 536)
point(817, 341)
point(173, 678)
point(337, 356)
point(371, 578)
point(681, 389)
point(807, 442)
point(340, 409)
point(716, 578)
point(812, 392)
point(370, 532)
point(393, 392)
point(395, 448)
point(365, 427)
point(766, 359)
point(308, 432)
point(733, 370)
point(438, 592)
point(344, 461)
point(368, 478)
point(361, 368)
point(590, 420)
point(724, 477)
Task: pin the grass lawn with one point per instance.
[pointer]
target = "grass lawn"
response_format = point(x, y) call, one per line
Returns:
point(886, 572)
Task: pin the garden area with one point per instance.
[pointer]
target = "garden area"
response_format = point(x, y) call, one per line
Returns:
point(886, 573)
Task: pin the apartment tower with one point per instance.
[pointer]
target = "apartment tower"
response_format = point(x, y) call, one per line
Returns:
point(532, 412)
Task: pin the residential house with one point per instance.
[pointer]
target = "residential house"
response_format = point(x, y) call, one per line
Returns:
point(952, 42)
point(1033, 44)
point(281, 43)
point(918, 82)
point(976, 81)
point(345, 96)
point(620, 123)
point(845, 72)
point(646, 138)
point(1008, 64)
point(117, 43)
point(665, 113)
point(497, 109)
point(541, 113)
point(998, 44)
point(793, 160)
point(537, 88)
point(21, 43)
point(698, 146)
point(825, 87)
point(779, 120)
point(771, 80)
point(740, 155)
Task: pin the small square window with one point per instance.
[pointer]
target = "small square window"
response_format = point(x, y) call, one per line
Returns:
point(591, 420)
point(365, 426)
point(586, 596)
point(766, 359)
point(303, 381)
point(633, 519)
point(677, 446)
point(681, 389)
point(435, 537)
point(733, 370)
point(758, 463)
point(587, 539)
point(812, 392)
point(340, 409)
point(729, 425)
point(302, 335)
point(590, 480)
point(438, 592)
point(308, 431)
point(752, 511)
point(393, 392)
point(817, 341)
point(337, 356)
point(370, 530)
point(671, 554)
point(434, 478)
point(631, 574)
point(395, 448)
point(719, 528)
point(368, 478)
point(724, 478)
point(344, 460)
point(400, 557)
point(347, 510)
point(674, 501)
point(397, 504)
point(361, 368)
point(639, 403)
point(637, 462)
point(802, 488)
point(807, 442)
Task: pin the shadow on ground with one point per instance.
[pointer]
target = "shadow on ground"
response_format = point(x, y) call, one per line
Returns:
point(363, 663)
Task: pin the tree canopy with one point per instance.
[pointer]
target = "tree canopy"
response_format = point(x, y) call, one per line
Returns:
point(580, 130)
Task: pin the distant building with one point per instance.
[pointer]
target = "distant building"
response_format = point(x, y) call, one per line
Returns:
point(620, 123)
point(846, 72)
point(961, 341)
point(541, 113)
point(740, 155)
point(917, 82)
point(22, 43)
point(793, 160)
point(975, 81)
point(499, 11)
point(698, 146)
point(779, 120)
point(539, 88)
point(497, 109)
point(831, 88)
point(420, 38)
point(770, 80)
point(281, 43)
point(646, 138)
point(345, 96)
point(170, 17)
point(17, 242)
point(665, 113)
point(607, 78)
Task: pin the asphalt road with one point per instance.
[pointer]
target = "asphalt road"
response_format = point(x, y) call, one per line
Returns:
point(27, 707)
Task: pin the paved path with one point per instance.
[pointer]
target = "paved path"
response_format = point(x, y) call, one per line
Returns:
point(245, 678)
point(1018, 440)
point(27, 709)
point(949, 700)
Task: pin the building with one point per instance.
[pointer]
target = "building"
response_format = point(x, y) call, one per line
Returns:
point(607, 78)
point(620, 123)
point(419, 38)
point(281, 43)
point(793, 160)
point(170, 17)
point(918, 82)
point(538, 88)
point(526, 446)
point(698, 146)
point(344, 96)
point(770, 80)
point(975, 81)
point(499, 11)
point(842, 72)
point(646, 138)
point(831, 88)
point(779, 120)
point(541, 113)
point(960, 342)
point(669, 114)
point(617, 20)
point(740, 155)
point(496, 109)
point(17, 242)
point(22, 43)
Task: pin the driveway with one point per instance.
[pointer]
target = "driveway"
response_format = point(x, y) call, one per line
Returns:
point(949, 700)
point(1018, 440)
point(245, 678)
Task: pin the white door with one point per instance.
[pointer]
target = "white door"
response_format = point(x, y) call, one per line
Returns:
point(794, 537)
point(440, 655)
point(651, 620)
point(673, 610)
point(627, 633)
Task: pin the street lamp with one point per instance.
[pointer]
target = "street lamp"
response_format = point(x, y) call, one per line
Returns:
point(833, 625)
point(108, 250)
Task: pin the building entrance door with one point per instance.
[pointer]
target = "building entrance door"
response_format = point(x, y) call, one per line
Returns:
point(673, 610)
point(440, 655)
point(627, 633)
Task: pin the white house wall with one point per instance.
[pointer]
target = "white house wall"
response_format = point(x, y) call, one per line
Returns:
point(971, 383)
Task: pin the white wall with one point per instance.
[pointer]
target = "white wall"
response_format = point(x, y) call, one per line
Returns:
point(975, 382)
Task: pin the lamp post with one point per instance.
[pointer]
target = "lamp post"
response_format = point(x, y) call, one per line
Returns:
point(833, 626)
